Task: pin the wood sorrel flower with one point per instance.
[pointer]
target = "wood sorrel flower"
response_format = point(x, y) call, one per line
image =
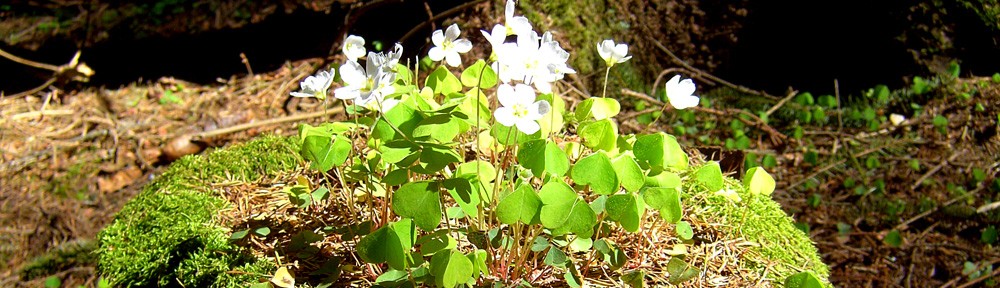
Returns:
point(316, 86)
point(611, 53)
point(354, 47)
point(519, 108)
point(679, 93)
point(447, 46)
point(515, 25)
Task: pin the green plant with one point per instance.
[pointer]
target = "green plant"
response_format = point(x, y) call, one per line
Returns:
point(524, 189)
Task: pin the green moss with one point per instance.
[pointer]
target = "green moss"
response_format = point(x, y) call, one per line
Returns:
point(69, 254)
point(167, 236)
point(780, 247)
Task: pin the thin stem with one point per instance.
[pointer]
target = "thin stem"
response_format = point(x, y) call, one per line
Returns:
point(607, 73)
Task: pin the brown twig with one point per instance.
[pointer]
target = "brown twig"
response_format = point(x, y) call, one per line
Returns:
point(678, 61)
point(945, 204)
point(437, 17)
point(934, 170)
point(291, 118)
point(776, 137)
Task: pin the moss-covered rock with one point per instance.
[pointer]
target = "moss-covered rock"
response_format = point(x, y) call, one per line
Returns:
point(166, 236)
point(170, 233)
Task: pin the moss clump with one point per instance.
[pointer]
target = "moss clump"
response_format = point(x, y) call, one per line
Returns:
point(166, 236)
point(782, 248)
point(69, 254)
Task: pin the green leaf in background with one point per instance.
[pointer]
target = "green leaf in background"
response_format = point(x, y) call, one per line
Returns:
point(684, 231)
point(634, 278)
point(325, 152)
point(660, 150)
point(523, 205)
point(441, 127)
point(758, 181)
point(434, 157)
point(391, 244)
point(572, 276)
point(470, 77)
point(663, 179)
point(420, 201)
point(485, 170)
point(893, 239)
point(450, 268)
point(555, 257)
point(543, 156)
point(239, 234)
point(680, 271)
point(563, 211)
point(465, 191)
point(262, 231)
point(478, 259)
point(665, 199)
point(629, 173)
point(806, 279)
point(597, 172)
point(599, 135)
point(402, 116)
point(710, 175)
point(552, 122)
point(627, 210)
point(443, 82)
point(597, 109)
point(435, 242)
point(511, 135)
point(327, 130)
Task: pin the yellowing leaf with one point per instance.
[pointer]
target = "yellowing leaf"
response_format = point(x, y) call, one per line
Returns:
point(283, 278)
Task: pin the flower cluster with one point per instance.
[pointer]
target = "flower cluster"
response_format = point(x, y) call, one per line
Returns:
point(532, 60)
point(368, 86)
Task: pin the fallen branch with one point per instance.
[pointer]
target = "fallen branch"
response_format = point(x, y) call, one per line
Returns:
point(74, 70)
point(711, 77)
point(242, 127)
point(775, 136)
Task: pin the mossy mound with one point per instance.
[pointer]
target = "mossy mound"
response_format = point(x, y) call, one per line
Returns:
point(166, 236)
point(170, 235)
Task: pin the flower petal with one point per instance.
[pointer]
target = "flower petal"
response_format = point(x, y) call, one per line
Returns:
point(527, 126)
point(686, 87)
point(346, 93)
point(437, 38)
point(683, 102)
point(525, 94)
point(463, 45)
point(505, 116)
point(454, 60)
point(508, 11)
point(452, 33)
point(352, 74)
point(520, 25)
point(620, 51)
point(436, 53)
point(506, 95)
point(538, 109)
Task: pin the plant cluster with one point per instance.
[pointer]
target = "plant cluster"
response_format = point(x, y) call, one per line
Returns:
point(466, 179)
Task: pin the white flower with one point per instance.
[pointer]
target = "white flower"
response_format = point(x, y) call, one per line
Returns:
point(532, 60)
point(447, 46)
point(896, 119)
point(316, 86)
point(611, 53)
point(496, 36)
point(729, 194)
point(679, 92)
point(354, 47)
point(519, 108)
point(515, 25)
point(365, 85)
point(386, 62)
